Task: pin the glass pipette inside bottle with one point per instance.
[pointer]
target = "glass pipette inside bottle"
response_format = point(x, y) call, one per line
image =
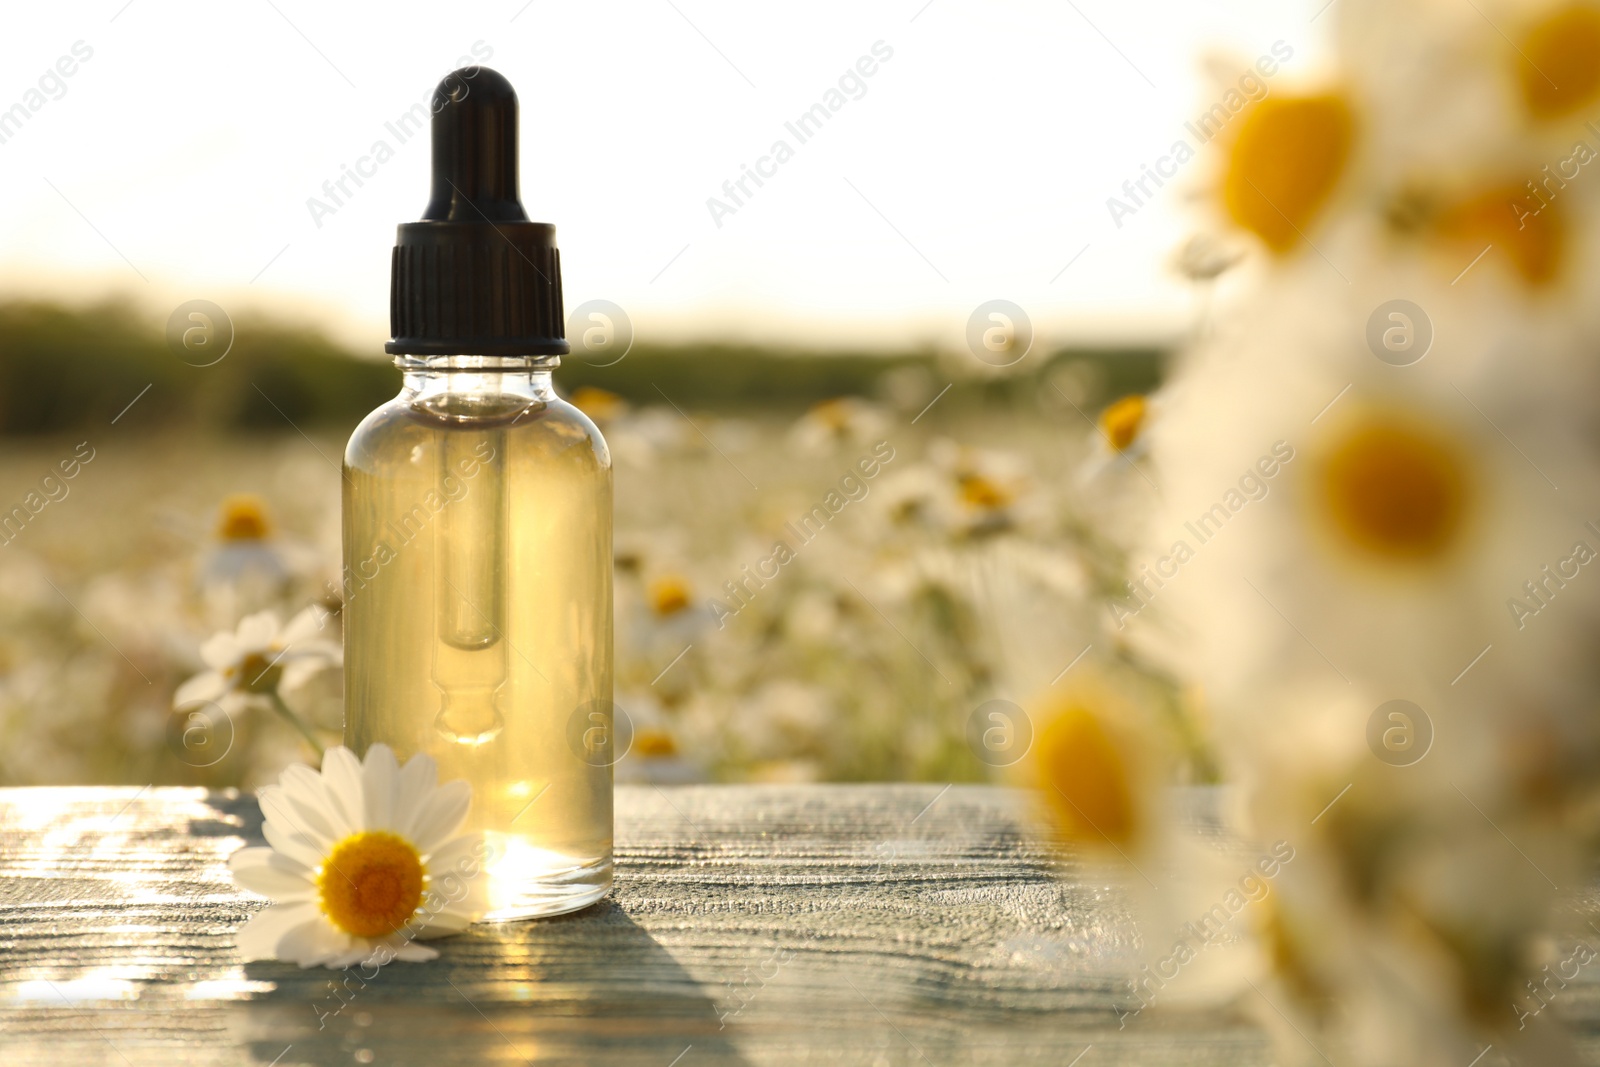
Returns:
point(469, 664)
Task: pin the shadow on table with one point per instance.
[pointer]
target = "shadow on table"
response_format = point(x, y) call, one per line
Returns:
point(592, 987)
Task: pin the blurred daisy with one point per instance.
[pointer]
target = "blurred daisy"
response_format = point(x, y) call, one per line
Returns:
point(668, 595)
point(1472, 135)
point(364, 860)
point(660, 620)
point(1122, 423)
point(1097, 764)
point(913, 497)
point(1390, 487)
point(1532, 243)
point(987, 491)
point(841, 420)
point(601, 405)
point(1558, 61)
point(671, 614)
point(1283, 165)
point(1352, 547)
point(655, 754)
point(246, 549)
point(1388, 516)
point(259, 661)
point(1113, 480)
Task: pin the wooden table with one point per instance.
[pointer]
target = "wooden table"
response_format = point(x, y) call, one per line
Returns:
point(884, 925)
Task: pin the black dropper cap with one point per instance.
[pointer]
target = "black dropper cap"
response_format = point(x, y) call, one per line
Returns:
point(475, 277)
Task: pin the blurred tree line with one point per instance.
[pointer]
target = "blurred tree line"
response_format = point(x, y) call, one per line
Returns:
point(73, 367)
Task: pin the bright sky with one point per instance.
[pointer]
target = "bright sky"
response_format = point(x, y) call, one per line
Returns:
point(177, 158)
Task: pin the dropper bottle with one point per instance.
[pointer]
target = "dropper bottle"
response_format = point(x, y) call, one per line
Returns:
point(477, 527)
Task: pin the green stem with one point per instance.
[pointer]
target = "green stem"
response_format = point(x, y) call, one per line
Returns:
point(294, 720)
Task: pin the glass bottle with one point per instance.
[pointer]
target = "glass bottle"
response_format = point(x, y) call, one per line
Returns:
point(477, 533)
point(477, 528)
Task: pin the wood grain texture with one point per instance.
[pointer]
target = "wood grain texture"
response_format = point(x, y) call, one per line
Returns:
point(880, 925)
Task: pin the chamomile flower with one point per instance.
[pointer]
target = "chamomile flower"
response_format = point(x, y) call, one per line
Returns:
point(1286, 159)
point(258, 662)
point(987, 491)
point(840, 421)
point(1097, 764)
point(1357, 539)
point(1558, 63)
point(1122, 420)
point(669, 594)
point(657, 752)
point(246, 551)
point(1386, 512)
point(259, 658)
point(365, 859)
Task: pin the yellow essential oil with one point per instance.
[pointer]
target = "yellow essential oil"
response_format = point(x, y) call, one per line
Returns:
point(477, 529)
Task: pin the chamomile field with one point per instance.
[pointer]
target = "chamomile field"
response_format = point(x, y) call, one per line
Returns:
point(819, 597)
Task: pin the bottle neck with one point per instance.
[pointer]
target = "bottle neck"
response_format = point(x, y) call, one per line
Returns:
point(507, 378)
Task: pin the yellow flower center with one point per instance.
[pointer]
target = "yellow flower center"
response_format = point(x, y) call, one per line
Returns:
point(980, 492)
point(598, 404)
point(835, 414)
point(1122, 421)
point(1558, 65)
point(654, 744)
point(243, 518)
point(1285, 161)
point(371, 884)
point(1085, 779)
point(669, 595)
point(1534, 242)
point(1396, 491)
point(257, 674)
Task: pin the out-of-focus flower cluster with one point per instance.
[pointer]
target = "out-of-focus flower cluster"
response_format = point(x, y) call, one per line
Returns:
point(129, 592)
point(843, 621)
point(1380, 503)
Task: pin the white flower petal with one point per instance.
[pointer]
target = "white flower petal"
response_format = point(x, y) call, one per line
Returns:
point(250, 857)
point(308, 816)
point(309, 944)
point(286, 808)
point(461, 855)
point(440, 924)
point(415, 953)
point(456, 872)
point(221, 651)
point(297, 847)
point(275, 808)
point(304, 790)
point(201, 689)
point(327, 651)
point(442, 815)
point(415, 784)
point(341, 774)
point(305, 626)
point(258, 939)
point(256, 631)
point(378, 774)
point(451, 904)
point(297, 672)
point(360, 951)
point(271, 873)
